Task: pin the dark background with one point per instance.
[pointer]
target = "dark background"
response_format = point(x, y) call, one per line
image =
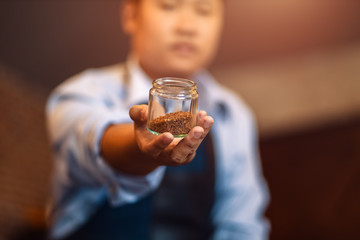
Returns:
point(294, 62)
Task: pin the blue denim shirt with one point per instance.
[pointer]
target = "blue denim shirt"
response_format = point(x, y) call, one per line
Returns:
point(80, 109)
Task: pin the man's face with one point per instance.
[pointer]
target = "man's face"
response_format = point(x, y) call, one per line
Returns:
point(174, 37)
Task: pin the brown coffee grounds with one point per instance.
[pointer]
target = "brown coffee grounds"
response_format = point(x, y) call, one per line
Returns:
point(177, 123)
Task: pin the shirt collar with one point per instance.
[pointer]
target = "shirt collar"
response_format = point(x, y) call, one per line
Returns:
point(138, 83)
point(211, 97)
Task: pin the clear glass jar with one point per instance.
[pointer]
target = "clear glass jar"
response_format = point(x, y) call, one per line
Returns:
point(173, 104)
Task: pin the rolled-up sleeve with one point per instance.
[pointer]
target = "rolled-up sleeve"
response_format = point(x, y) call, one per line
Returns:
point(76, 123)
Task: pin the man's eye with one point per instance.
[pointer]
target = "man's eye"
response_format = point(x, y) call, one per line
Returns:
point(168, 5)
point(203, 10)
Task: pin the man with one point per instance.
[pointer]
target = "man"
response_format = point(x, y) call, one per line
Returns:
point(109, 178)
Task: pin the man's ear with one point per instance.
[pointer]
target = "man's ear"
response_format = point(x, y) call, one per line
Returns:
point(128, 13)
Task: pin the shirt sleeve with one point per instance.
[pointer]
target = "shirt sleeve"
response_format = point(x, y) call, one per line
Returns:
point(241, 191)
point(76, 123)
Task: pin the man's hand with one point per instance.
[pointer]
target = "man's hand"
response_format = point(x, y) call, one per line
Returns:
point(164, 149)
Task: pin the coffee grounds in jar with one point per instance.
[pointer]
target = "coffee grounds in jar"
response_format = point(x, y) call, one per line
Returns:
point(177, 123)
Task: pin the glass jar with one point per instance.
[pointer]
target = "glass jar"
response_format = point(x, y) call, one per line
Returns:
point(173, 104)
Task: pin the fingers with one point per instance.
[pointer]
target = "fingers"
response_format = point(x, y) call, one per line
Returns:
point(158, 144)
point(200, 115)
point(138, 113)
point(147, 142)
point(184, 152)
point(164, 147)
point(206, 123)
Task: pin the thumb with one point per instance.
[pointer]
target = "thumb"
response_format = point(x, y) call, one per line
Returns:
point(138, 113)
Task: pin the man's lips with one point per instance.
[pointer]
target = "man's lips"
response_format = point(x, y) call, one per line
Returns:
point(183, 48)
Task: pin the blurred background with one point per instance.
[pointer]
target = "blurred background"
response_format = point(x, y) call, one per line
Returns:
point(296, 63)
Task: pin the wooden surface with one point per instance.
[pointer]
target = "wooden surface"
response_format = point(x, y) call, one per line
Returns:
point(314, 181)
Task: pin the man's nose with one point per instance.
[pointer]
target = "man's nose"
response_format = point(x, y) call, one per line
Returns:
point(186, 24)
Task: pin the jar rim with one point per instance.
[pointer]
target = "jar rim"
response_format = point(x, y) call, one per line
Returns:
point(175, 81)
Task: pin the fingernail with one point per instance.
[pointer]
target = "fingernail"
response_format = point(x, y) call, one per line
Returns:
point(201, 114)
point(207, 124)
point(197, 135)
point(168, 138)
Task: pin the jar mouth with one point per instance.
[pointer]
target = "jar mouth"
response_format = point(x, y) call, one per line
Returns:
point(182, 83)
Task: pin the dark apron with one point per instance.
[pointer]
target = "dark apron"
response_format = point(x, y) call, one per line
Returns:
point(179, 209)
